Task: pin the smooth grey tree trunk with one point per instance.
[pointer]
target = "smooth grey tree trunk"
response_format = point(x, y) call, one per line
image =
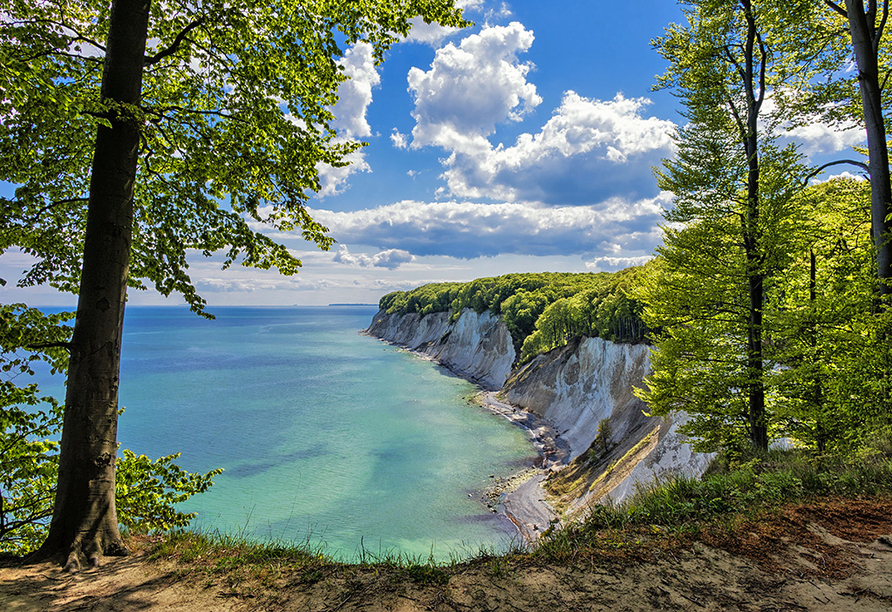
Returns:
point(84, 526)
point(865, 40)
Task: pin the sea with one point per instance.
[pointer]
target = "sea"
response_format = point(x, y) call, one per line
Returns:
point(327, 437)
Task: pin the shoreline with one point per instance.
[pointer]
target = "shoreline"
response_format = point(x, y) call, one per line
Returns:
point(520, 496)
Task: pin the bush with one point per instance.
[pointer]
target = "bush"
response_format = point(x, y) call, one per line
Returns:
point(146, 492)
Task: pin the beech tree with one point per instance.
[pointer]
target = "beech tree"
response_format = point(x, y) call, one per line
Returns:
point(866, 28)
point(823, 88)
point(708, 293)
point(833, 391)
point(137, 132)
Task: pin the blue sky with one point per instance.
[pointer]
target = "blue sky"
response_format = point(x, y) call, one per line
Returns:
point(524, 143)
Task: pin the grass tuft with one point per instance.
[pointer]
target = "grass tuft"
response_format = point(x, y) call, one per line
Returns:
point(682, 505)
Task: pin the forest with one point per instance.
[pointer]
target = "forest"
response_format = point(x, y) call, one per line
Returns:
point(542, 311)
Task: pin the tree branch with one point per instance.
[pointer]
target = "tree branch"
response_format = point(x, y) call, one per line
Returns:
point(762, 62)
point(834, 6)
point(57, 203)
point(878, 34)
point(159, 112)
point(820, 169)
point(175, 45)
point(46, 345)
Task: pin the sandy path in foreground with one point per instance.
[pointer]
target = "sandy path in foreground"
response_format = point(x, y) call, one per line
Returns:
point(803, 566)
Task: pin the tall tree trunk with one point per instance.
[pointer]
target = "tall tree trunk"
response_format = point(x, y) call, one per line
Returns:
point(84, 526)
point(865, 42)
point(752, 234)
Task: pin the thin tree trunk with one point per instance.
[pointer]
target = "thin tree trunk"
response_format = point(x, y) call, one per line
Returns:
point(865, 39)
point(84, 524)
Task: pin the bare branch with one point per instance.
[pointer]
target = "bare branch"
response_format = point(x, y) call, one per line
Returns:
point(834, 6)
point(46, 345)
point(820, 169)
point(734, 63)
point(175, 45)
point(878, 34)
point(160, 113)
point(762, 62)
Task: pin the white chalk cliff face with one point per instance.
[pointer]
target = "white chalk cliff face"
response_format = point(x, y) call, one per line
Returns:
point(477, 347)
point(572, 388)
point(575, 386)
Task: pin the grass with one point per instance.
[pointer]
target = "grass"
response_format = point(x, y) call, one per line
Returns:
point(731, 500)
point(251, 568)
point(762, 483)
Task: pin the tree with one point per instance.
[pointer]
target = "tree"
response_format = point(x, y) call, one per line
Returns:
point(866, 27)
point(823, 89)
point(833, 389)
point(725, 241)
point(210, 119)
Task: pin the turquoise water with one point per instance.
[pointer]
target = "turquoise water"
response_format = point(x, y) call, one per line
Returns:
point(324, 434)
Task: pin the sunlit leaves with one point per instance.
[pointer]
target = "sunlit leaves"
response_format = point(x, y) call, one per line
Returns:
point(235, 113)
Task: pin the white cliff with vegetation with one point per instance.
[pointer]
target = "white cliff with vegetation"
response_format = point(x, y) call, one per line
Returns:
point(476, 346)
point(583, 390)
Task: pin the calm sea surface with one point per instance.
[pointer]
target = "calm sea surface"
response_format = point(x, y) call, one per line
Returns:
point(324, 434)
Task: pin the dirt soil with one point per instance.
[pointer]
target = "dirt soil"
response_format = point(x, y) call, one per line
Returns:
point(829, 555)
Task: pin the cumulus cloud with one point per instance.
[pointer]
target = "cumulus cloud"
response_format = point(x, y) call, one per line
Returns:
point(390, 259)
point(821, 138)
point(472, 87)
point(612, 264)
point(815, 137)
point(400, 141)
point(431, 34)
point(354, 98)
point(434, 34)
point(589, 149)
point(616, 227)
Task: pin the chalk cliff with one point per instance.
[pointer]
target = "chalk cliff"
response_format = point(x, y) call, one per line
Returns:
point(478, 347)
point(574, 388)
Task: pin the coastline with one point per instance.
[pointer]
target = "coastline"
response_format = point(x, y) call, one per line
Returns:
point(520, 496)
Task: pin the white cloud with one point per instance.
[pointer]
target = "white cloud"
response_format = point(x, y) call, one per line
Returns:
point(589, 149)
point(334, 180)
point(845, 174)
point(500, 12)
point(613, 228)
point(612, 264)
point(354, 98)
point(815, 137)
point(390, 259)
point(472, 87)
point(432, 34)
point(399, 140)
point(822, 138)
point(355, 94)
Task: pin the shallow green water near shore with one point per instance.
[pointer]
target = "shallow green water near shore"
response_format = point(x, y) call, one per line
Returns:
point(325, 435)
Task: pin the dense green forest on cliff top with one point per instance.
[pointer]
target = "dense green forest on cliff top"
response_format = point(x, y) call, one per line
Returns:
point(541, 310)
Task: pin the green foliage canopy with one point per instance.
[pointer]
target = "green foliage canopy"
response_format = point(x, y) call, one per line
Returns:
point(541, 310)
point(235, 119)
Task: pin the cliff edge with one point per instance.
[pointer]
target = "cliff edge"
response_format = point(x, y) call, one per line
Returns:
point(577, 390)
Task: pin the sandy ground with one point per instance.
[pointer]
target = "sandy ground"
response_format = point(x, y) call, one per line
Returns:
point(824, 556)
